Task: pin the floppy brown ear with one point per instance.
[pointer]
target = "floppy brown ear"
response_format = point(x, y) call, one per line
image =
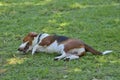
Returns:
point(33, 34)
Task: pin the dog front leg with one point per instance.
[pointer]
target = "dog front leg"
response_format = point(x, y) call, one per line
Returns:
point(34, 49)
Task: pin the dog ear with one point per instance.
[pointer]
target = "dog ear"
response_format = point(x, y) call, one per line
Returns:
point(32, 34)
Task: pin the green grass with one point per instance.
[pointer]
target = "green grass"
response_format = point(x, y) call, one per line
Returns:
point(96, 22)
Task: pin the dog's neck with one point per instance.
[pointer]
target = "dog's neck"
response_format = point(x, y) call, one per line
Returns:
point(39, 38)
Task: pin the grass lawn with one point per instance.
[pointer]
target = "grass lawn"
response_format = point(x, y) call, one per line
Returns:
point(96, 22)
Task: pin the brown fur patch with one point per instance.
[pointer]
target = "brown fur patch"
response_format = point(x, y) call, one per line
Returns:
point(47, 41)
point(30, 37)
point(72, 44)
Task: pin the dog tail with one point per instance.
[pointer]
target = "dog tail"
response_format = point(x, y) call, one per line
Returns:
point(95, 52)
point(106, 52)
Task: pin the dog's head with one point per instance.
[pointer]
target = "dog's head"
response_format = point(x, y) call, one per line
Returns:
point(27, 42)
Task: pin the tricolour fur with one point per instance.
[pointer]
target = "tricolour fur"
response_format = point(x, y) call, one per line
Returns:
point(68, 48)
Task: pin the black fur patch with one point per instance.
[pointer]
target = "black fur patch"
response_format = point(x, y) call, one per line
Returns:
point(39, 38)
point(60, 38)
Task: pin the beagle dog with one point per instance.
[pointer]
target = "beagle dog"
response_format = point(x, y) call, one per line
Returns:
point(69, 48)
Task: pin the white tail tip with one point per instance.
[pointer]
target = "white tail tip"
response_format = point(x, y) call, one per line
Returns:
point(106, 52)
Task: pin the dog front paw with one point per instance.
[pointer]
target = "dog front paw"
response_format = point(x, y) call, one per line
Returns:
point(67, 59)
point(56, 59)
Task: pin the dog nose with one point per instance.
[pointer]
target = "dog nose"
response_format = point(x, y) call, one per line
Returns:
point(20, 49)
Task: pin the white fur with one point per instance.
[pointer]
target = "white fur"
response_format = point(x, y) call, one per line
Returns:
point(61, 56)
point(35, 48)
point(34, 42)
point(23, 45)
point(55, 47)
point(71, 57)
point(106, 52)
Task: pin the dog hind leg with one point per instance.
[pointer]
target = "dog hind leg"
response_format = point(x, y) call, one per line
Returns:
point(61, 56)
point(71, 57)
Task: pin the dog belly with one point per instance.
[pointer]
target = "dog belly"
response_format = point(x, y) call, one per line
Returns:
point(55, 47)
point(48, 49)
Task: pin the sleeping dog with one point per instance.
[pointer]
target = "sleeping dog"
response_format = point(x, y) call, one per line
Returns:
point(69, 48)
